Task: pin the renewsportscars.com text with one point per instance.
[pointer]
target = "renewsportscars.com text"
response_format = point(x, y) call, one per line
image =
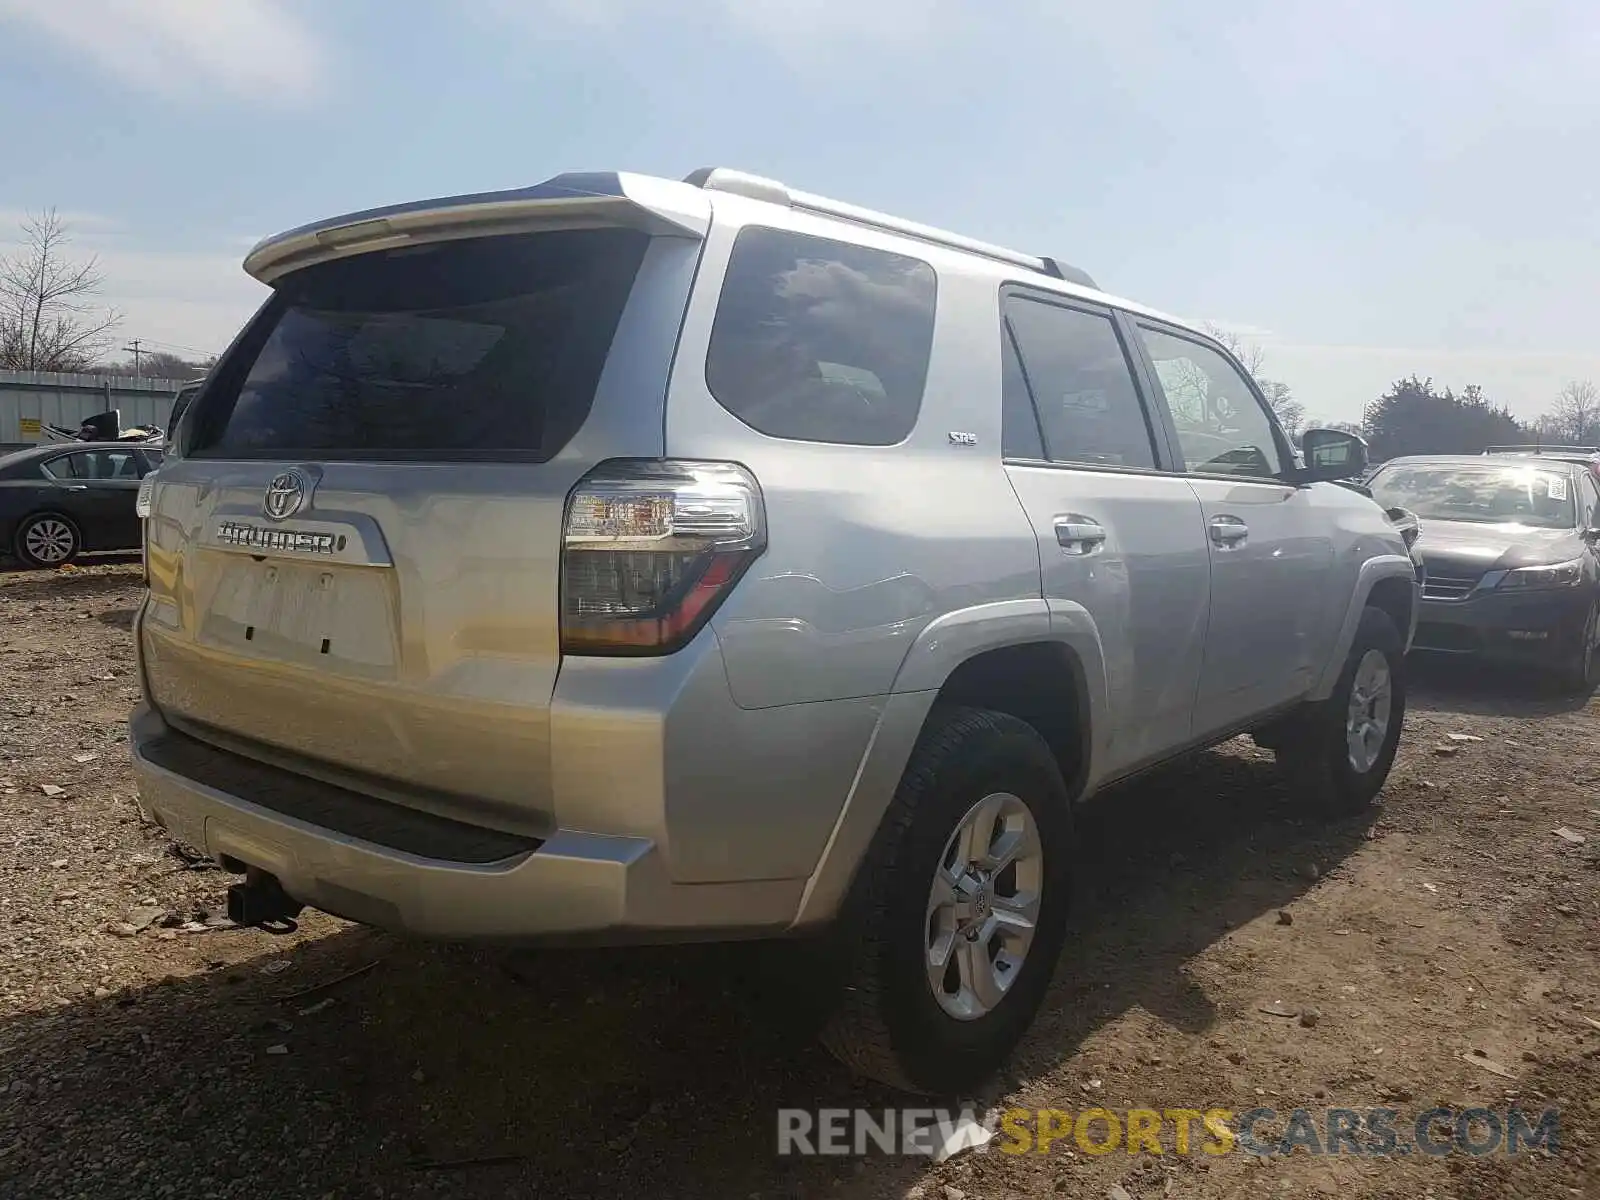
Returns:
point(1368, 1132)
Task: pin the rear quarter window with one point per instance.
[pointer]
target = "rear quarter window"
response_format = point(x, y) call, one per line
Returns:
point(822, 341)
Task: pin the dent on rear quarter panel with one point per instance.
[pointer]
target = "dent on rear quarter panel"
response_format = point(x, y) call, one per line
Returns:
point(867, 544)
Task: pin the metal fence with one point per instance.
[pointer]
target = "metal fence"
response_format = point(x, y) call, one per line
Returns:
point(31, 399)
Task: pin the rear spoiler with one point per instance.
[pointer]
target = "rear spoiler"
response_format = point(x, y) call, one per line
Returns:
point(656, 206)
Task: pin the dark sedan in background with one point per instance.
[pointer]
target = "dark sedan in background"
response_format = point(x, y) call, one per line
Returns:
point(62, 500)
point(1513, 570)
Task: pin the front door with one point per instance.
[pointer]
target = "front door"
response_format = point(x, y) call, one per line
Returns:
point(1271, 548)
point(1121, 540)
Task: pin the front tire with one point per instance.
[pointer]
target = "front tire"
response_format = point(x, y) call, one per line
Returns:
point(961, 908)
point(1579, 678)
point(46, 540)
point(1337, 753)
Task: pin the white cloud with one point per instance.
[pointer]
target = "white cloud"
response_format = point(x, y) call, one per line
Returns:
point(1243, 329)
point(789, 27)
point(196, 300)
point(254, 49)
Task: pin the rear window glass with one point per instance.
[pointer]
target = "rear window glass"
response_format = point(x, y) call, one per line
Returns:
point(822, 341)
point(485, 347)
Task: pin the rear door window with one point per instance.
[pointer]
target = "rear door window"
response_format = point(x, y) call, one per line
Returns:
point(71, 466)
point(1082, 385)
point(68, 466)
point(479, 348)
point(1019, 424)
point(90, 465)
point(821, 341)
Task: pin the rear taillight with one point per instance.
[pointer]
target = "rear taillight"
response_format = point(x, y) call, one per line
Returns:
point(650, 549)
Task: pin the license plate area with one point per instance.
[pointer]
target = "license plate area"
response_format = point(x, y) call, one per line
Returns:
point(319, 615)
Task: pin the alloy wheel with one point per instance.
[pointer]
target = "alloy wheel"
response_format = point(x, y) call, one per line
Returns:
point(49, 541)
point(983, 906)
point(1367, 718)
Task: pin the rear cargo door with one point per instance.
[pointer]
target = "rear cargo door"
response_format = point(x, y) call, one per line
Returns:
point(354, 555)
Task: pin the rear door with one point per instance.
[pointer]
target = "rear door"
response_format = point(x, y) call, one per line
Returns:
point(1120, 537)
point(97, 488)
point(1271, 546)
point(354, 551)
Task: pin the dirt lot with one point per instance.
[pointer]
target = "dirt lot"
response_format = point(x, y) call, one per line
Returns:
point(1452, 937)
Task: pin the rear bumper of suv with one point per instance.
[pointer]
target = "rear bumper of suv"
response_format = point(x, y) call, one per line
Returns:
point(383, 865)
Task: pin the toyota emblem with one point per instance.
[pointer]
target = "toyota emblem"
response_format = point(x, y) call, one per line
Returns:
point(285, 495)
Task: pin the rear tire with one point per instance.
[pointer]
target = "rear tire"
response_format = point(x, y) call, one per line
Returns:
point(47, 540)
point(982, 789)
point(1337, 753)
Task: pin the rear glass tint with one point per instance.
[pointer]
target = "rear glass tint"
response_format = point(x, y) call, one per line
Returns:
point(480, 348)
point(822, 341)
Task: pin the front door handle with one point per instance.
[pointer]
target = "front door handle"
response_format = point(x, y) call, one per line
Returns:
point(1228, 532)
point(1079, 535)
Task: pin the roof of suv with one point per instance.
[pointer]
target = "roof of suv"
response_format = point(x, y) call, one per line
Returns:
point(656, 204)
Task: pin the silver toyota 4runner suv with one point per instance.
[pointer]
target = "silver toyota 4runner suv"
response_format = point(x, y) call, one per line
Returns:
point(622, 560)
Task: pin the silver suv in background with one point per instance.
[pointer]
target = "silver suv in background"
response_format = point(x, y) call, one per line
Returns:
point(622, 559)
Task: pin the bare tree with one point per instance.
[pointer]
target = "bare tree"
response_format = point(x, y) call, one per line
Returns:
point(48, 321)
point(1250, 354)
point(1575, 416)
point(1290, 412)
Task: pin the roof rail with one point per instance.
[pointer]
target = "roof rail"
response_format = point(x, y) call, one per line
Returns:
point(756, 187)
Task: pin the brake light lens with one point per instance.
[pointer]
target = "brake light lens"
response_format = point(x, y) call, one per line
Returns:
point(650, 549)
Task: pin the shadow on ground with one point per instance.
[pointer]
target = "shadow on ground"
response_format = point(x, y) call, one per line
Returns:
point(121, 618)
point(1459, 685)
point(454, 1072)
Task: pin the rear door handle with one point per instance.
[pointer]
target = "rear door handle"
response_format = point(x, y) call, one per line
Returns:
point(1228, 532)
point(1079, 535)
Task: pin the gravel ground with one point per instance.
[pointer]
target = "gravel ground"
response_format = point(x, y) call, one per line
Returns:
point(1447, 944)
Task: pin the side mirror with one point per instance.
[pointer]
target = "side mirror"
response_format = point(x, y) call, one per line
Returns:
point(1405, 521)
point(1332, 454)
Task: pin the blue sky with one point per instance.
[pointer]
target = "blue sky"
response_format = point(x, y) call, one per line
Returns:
point(1366, 188)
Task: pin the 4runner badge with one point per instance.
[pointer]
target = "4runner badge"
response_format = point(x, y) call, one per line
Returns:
point(259, 537)
point(963, 439)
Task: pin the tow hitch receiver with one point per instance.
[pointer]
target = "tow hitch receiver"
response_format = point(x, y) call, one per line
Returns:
point(261, 900)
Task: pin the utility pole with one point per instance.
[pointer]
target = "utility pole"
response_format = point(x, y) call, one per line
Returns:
point(133, 348)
